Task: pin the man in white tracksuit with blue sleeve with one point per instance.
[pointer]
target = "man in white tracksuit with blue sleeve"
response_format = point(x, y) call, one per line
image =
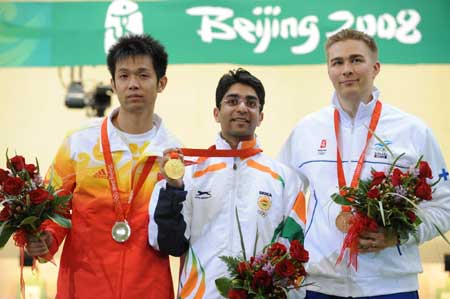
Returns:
point(386, 268)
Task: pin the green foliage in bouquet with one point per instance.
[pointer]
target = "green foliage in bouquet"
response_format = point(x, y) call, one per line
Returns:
point(269, 274)
point(27, 202)
point(391, 197)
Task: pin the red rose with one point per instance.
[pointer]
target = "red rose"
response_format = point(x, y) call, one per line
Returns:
point(5, 213)
point(373, 193)
point(13, 185)
point(423, 190)
point(3, 175)
point(237, 294)
point(302, 271)
point(242, 268)
point(18, 162)
point(425, 170)
point(285, 268)
point(39, 196)
point(412, 216)
point(261, 279)
point(298, 252)
point(277, 249)
point(31, 169)
point(396, 177)
point(377, 178)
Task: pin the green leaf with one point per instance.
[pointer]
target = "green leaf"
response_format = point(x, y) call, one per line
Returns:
point(364, 186)
point(382, 213)
point(395, 163)
point(418, 221)
point(51, 173)
point(240, 233)
point(418, 162)
point(29, 220)
point(442, 234)
point(37, 165)
point(62, 221)
point(232, 264)
point(256, 241)
point(436, 182)
point(223, 285)
point(60, 202)
point(339, 199)
point(5, 233)
point(381, 141)
point(40, 208)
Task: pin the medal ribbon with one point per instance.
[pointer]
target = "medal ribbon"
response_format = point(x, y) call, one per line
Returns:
point(340, 170)
point(121, 214)
point(213, 152)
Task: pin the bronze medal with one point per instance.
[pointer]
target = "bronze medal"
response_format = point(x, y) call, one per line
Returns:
point(342, 221)
point(174, 169)
point(121, 231)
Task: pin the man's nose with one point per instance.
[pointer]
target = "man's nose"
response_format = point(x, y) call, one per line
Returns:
point(347, 69)
point(133, 83)
point(242, 106)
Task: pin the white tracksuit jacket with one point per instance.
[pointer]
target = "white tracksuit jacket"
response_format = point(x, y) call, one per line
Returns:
point(311, 151)
point(263, 190)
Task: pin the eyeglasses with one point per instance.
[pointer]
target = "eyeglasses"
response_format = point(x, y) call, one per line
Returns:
point(250, 103)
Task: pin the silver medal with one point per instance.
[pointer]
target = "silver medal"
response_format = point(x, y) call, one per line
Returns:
point(121, 231)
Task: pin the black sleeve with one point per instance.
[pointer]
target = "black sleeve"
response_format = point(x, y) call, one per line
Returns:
point(170, 221)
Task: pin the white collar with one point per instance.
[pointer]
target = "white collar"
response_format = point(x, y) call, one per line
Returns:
point(163, 138)
point(223, 144)
point(363, 113)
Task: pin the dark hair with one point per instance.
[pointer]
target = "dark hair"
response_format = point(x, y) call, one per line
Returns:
point(239, 76)
point(351, 34)
point(138, 45)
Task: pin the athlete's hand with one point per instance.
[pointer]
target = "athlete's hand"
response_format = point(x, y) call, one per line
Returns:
point(38, 247)
point(376, 241)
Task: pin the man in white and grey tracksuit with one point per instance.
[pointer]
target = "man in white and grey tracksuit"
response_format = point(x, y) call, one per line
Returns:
point(198, 219)
point(386, 269)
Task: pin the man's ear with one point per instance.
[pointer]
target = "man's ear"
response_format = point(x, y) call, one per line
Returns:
point(216, 112)
point(162, 83)
point(113, 85)
point(376, 68)
point(261, 117)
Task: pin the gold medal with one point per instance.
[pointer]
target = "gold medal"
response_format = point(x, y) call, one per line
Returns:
point(174, 167)
point(342, 221)
point(121, 231)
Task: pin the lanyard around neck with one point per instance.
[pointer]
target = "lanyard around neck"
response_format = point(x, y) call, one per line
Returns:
point(340, 169)
point(121, 214)
point(213, 152)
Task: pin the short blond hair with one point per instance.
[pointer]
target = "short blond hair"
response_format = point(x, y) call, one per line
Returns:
point(351, 34)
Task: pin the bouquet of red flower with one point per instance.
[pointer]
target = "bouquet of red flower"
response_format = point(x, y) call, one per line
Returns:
point(28, 206)
point(387, 200)
point(270, 274)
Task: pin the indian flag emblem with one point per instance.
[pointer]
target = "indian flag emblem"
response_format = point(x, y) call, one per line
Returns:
point(264, 204)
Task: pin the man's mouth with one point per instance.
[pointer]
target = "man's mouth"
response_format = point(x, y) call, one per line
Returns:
point(134, 97)
point(240, 120)
point(348, 82)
